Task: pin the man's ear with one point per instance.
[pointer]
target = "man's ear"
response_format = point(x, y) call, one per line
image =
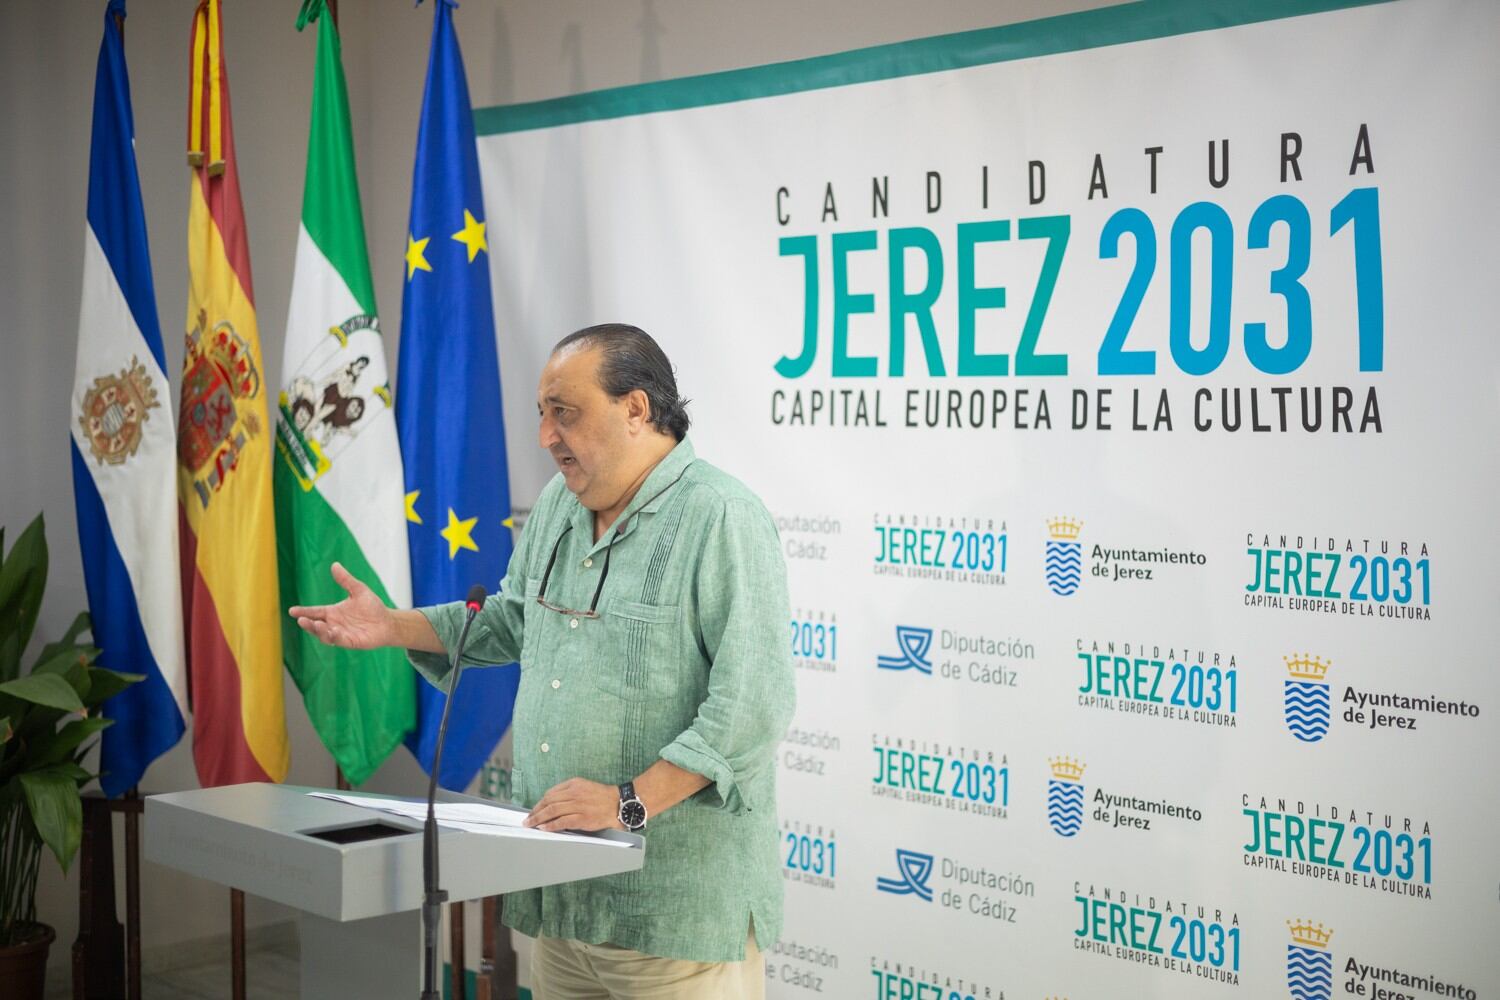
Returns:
point(637, 409)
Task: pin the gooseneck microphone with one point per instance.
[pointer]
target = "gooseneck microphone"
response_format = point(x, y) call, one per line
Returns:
point(433, 897)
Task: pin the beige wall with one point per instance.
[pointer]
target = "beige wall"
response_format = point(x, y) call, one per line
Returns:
point(515, 51)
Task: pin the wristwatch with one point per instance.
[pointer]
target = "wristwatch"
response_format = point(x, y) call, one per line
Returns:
point(632, 809)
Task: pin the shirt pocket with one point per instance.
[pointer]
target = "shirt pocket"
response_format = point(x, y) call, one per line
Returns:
point(531, 620)
point(641, 658)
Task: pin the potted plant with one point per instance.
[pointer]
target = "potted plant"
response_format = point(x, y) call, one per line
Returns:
point(47, 715)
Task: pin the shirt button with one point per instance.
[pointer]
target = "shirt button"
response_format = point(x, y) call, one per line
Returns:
point(573, 623)
point(545, 748)
point(588, 563)
point(556, 684)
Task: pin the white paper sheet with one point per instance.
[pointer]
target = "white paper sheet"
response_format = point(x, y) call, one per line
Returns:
point(472, 817)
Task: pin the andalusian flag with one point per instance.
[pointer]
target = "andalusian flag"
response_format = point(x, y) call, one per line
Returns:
point(338, 469)
point(231, 611)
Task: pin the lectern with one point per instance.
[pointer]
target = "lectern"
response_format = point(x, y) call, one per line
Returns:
point(355, 875)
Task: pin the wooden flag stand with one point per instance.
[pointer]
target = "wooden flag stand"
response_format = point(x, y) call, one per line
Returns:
point(107, 958)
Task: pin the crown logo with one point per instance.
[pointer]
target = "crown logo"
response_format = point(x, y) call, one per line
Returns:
point(1064, 528)
point(1310, 935)
point(1066, 769)
point(1307, 668)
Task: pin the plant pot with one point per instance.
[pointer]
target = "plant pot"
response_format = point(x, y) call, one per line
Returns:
point(23, 967)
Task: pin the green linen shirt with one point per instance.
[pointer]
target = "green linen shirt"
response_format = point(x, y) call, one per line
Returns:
point(687, 662)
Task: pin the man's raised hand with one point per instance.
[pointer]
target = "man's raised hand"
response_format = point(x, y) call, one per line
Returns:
point(359, 621)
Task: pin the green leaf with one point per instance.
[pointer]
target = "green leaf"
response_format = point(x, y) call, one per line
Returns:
point(56, 810)
point(44, 689)
point(23, 577)
point(56, 663)
point(72, 769)
point(105, 684)
point(10, 655)
point(55, 747)
point(70, 638)
point(5, 730)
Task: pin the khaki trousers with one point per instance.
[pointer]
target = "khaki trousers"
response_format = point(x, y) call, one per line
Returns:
point(572, 970)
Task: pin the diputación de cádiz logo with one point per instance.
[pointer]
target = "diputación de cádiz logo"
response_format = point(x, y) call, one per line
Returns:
point(1306, 697)
point(1065, 796)
point(914, 642)
point(1309, 963)
point(1064, 555)
point(915, 868)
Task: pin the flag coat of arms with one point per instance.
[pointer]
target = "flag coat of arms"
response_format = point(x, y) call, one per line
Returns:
point(448, 406)
point(338, 484)
point(124, 464)
point(228, 532)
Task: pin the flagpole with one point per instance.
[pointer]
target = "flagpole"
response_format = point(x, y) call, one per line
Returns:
point(133, 893)
point(237, 943)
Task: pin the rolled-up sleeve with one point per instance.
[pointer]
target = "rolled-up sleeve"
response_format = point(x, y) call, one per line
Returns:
point(743, 610)
point(496, 635)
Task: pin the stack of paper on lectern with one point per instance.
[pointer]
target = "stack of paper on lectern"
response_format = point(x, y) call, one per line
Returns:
point(473, 817)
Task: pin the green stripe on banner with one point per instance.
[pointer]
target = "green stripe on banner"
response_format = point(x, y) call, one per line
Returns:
point(330, 199)
point(471, 984)
point(361, 702)
point(1091, 29)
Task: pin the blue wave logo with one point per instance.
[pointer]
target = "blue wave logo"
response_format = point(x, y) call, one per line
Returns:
point(1306, 697)
point(915, 868)
point(1065, 796)
point(1309, 972)
point(1065, 806)
point(1064, 556)
point(914, 643)
point(1307, 710)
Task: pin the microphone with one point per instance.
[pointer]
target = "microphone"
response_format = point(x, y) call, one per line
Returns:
point(475, 600)
point(434, 897)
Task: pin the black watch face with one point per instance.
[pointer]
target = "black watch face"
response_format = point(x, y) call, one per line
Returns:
point(633, 814)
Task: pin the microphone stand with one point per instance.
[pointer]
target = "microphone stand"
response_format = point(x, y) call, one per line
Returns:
point(433, 897)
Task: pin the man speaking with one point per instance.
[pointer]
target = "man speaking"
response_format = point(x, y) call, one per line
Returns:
point(646, 602)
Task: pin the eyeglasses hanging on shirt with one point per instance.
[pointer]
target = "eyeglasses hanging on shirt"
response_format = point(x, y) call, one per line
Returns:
point(592, 612)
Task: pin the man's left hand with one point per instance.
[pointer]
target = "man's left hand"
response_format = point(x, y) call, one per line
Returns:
point(577, 804)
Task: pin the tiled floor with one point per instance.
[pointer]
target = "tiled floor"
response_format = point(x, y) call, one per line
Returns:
point(271, 974)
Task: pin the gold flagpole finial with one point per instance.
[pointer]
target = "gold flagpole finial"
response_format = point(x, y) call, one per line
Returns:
point(198, 44)
point(215, 91)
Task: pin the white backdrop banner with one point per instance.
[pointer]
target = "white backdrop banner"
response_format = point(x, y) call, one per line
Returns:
point(1125, 389)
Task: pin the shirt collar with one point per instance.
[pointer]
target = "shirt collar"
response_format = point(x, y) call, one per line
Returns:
point(647, 500)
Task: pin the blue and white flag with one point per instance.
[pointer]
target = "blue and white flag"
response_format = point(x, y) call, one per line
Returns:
point(448, 412)
point(124, 445)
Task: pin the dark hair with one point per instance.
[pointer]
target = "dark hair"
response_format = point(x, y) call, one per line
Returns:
point(632, 360)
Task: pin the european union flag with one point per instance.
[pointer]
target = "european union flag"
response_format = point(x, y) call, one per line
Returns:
point(448, 411)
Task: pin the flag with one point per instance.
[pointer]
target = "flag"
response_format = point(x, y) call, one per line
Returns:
point(338, 478)
point(228, 529)
point(124, 472)
point(448, 406)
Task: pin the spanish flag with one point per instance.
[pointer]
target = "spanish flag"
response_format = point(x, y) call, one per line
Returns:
point(224, 449)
